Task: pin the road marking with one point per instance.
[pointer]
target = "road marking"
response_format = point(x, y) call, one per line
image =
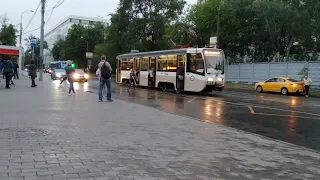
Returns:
point(239, 104)
point(191, 99)
point(251, 110)
point(283, 115)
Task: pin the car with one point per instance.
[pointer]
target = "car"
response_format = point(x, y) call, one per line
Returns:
point(80, 75)
point(280, 84)
point(58, 74)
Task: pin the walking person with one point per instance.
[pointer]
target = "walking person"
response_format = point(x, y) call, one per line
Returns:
point(15, 72)
point(7, 69)
point(105, 78)
point(70, 73)
point(307, 82)
point(32, 69)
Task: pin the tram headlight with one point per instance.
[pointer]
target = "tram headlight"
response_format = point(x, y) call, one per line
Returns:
point(220, 79)
point(210, 79)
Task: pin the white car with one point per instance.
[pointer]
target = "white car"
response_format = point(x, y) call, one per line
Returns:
point(58, 74)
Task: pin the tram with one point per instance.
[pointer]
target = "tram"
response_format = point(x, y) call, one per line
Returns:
point(203, 69)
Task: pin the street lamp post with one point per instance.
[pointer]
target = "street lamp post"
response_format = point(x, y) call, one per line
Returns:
point(20, 38)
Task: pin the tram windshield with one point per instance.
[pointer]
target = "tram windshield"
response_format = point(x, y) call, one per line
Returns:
point(214, 61)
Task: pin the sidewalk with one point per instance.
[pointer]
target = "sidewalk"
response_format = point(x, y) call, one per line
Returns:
point(45, 134)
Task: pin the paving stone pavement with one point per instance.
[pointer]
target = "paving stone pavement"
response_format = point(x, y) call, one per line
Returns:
point(45, 134)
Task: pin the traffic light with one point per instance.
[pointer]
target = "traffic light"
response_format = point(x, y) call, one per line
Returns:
point(73, 65)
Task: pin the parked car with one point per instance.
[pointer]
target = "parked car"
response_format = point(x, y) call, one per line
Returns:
point(280, 84)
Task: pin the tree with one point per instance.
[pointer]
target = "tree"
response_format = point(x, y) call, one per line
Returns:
point(28, 52)
point(8, 33)
point(59, 49)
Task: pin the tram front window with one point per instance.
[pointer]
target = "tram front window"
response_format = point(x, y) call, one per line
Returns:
point(214, 61)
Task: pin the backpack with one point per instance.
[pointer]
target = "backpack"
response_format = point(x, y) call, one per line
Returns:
point(105, 71)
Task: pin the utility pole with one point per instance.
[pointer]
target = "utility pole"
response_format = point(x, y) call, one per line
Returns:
point(43, 7)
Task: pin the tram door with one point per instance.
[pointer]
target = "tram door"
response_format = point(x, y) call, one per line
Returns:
point(143, 75)
point(181, 66)
point(136, 68)
point(118, 71)
point(152, 67)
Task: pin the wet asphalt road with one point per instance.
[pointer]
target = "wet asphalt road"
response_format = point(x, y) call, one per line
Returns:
point(287, 118)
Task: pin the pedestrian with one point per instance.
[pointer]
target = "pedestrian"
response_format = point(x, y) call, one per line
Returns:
point(63, 79)
point(7, 69)
point(104, 78)
point(307, 82)
point(15, 72)
point(70, 73)
point(104, 87)
point(32, 72)
point(132, 80)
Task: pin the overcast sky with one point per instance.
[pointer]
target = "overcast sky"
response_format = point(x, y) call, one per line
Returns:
point(90, 8)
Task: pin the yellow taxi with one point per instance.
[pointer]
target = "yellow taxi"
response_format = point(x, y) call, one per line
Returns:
point(280, 84)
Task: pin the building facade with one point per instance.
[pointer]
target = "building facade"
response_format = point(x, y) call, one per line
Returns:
point(61, 31)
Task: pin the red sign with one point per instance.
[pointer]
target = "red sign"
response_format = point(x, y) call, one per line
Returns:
point(9, 50)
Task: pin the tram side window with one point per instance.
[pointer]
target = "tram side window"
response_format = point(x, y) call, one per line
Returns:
point(195, 64)
point(152, 62)
point(172, 63)
point(167, 63)
point(181, 60)
point(162, 63)
point(126, 65)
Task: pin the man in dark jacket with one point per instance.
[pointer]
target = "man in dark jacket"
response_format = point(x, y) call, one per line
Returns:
point(7, 69)
point(15, 73)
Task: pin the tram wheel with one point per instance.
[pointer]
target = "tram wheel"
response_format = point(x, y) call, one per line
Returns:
point(164, 87)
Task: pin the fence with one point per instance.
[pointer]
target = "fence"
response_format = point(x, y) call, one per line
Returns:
point(255, 72)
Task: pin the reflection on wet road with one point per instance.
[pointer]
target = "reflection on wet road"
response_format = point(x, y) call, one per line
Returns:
point(287, 118)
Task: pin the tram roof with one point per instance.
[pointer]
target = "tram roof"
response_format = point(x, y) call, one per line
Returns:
point(162, 52)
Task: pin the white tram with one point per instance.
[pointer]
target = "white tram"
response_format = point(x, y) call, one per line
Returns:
point(203, 69)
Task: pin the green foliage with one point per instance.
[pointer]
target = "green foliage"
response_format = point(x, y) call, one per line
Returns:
point(8, 34)
point(256, 30)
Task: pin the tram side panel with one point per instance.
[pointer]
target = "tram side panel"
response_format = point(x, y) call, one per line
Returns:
point(194, 82)
point(168, 78)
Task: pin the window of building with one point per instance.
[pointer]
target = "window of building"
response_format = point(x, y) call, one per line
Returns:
point(80, 21)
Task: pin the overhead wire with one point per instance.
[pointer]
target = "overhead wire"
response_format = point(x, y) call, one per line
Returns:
point(59, 3)
point(35, 12)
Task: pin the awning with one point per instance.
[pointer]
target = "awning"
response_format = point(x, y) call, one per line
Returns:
point(9, 50)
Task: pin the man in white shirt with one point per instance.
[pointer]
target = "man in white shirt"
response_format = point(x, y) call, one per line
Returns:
point(307, 82)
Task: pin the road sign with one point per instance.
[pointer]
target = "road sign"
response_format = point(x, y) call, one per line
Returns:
point(213, 41)
point(89, 54)
point(33, 42)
